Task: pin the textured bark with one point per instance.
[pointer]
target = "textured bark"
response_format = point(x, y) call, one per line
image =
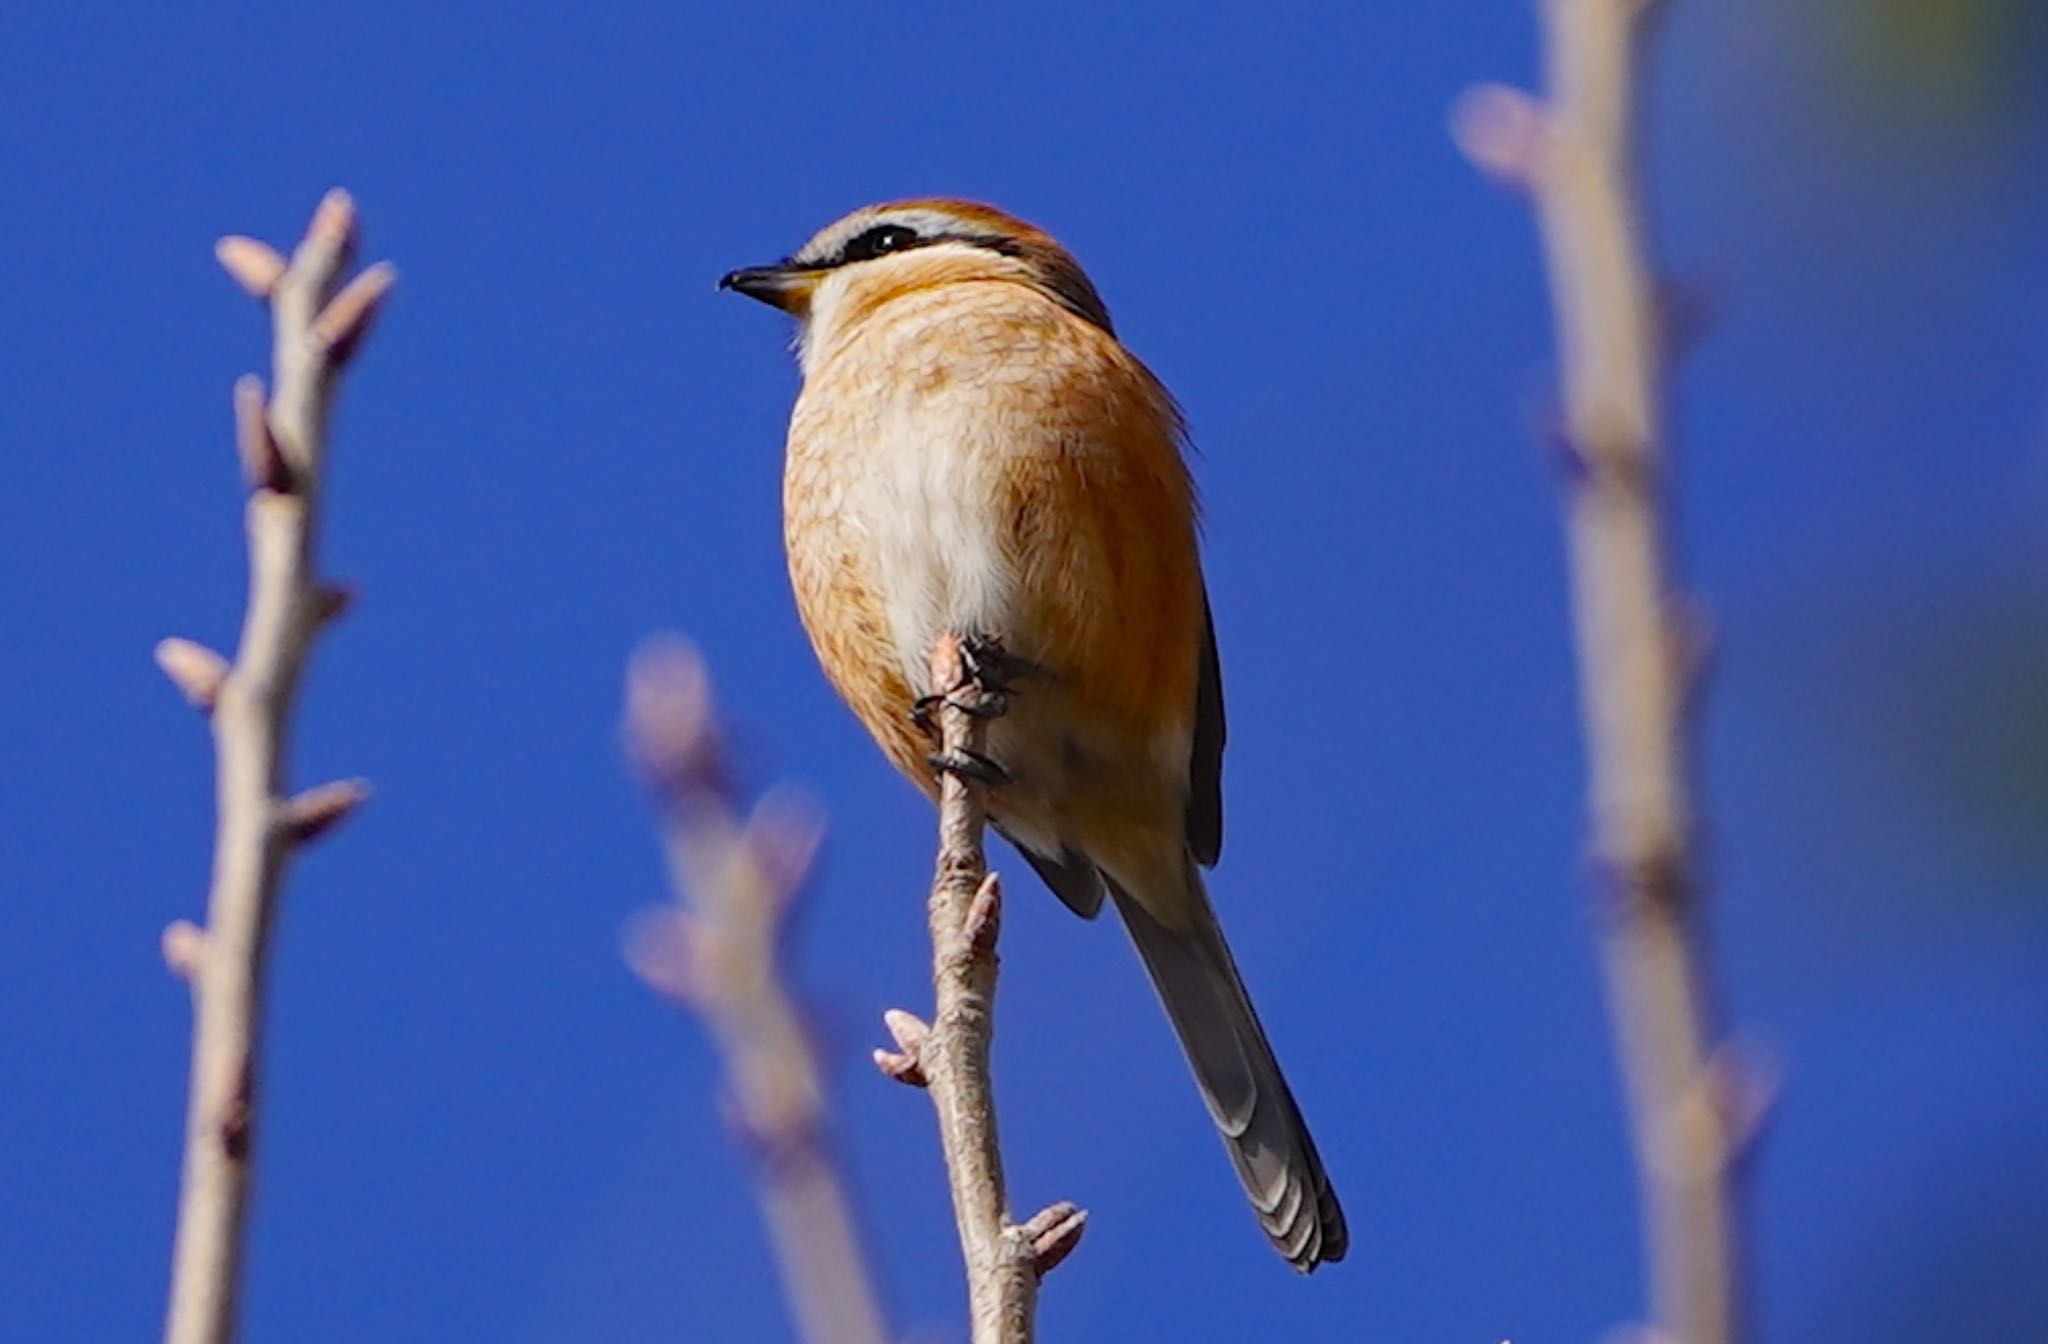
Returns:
point(1005, 1260)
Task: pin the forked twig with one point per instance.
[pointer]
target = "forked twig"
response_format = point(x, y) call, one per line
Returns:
point(283, 447)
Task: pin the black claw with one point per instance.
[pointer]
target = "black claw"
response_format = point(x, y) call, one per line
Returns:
point(988, 704)
point(969, 765)
point(988, 677)
point(992, 667)
point(981, 704)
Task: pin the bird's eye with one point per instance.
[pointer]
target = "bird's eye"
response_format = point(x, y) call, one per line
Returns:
point(882, 238)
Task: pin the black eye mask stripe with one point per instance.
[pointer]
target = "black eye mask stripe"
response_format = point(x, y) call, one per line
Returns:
point(1064, 281)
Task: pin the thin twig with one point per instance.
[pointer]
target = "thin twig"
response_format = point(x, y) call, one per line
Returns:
point(716, 951)
point(950, 1056)
point(1637, 652)
point(250, 700)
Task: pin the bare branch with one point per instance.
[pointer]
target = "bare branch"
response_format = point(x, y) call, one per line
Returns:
point(348, 315)
point(256, 266)
point(283, 448)
point(310, 815)
point(1054, 1232)
point(262, 465)
point(1501, 130)
point(194, 669)
point(334, 599)
point(902, 1064)
point(951, 1057)
point(1636, 652)
point(716, 951)
point(184, 944)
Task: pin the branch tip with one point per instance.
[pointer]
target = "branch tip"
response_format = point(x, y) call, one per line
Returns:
point(782, 836)
point(908, 1029)
point(900, 1068)
point(1686, 309)
point(263, 464)
point(672, 730)
point(238, 1123)
point(184, 947)
point(1053, 1233)
point(1503, 131)
point(310, 815)
point(984, 915)
point(1696, 642)
point(254, 265)
point(346, 319)
point(334, 220)
point(197, 671)
point(332, 601)
point(1747, 1081)
point(660, 946)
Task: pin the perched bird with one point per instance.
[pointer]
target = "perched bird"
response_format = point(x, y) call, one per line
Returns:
point(975, 451)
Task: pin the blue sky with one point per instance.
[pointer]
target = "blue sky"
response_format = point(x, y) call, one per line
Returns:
point(561, 439)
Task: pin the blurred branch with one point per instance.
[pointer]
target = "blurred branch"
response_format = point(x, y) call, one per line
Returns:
point(284, 451)
point(950, 1056)
point(715, 950)
point(1637, 655)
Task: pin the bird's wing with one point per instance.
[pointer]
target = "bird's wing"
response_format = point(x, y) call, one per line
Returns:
point(1205, 760)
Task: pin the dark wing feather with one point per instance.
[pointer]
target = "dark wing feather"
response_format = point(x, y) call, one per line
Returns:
point(1072, 878)
point(1205, 761)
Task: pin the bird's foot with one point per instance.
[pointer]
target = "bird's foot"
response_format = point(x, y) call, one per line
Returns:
point(971, 765)
point(967, 698)
point(989, 675)
point(991, 668)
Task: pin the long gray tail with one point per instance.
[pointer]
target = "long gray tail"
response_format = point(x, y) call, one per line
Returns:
point(1240, 1080)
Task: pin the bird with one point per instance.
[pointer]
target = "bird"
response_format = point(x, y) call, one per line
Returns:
point(974, 450)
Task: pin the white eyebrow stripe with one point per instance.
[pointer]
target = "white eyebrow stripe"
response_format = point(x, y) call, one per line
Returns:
point(925, 223)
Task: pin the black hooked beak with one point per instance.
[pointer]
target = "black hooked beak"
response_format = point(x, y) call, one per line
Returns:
point(784, 285)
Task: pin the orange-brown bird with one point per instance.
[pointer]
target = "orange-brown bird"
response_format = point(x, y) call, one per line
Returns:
point(975, 451)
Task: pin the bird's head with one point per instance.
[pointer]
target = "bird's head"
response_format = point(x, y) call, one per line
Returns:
point(882, 251)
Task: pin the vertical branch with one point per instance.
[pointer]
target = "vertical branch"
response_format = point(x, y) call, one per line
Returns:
point(950, 1057)
point(284, 450)
point(1635, 652)
point(715, 950)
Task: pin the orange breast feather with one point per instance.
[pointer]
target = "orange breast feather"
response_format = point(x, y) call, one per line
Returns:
point(1085, 490)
